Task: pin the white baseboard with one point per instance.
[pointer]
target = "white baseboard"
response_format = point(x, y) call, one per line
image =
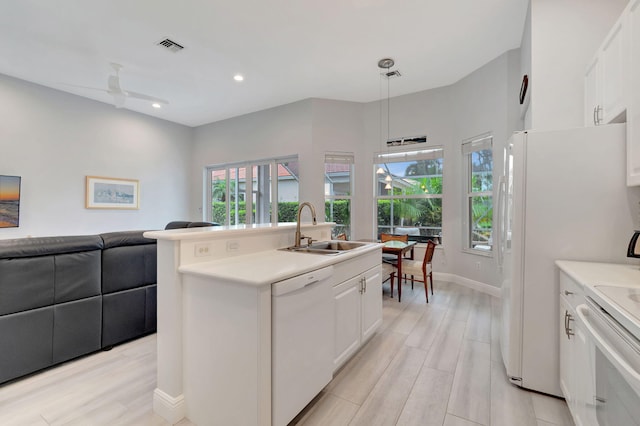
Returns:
point(169, 408)
point(476, 285)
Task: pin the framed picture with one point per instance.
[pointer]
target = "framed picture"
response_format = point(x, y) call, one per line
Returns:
point(9, 201)
point(112, 193)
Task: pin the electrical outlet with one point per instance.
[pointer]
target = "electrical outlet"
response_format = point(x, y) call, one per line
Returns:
point(202, 249)
point(478, 266)
point(233, 245)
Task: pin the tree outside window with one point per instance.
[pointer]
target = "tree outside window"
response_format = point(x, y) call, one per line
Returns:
point(478, 159)
point(409, 193)
point(338, 187)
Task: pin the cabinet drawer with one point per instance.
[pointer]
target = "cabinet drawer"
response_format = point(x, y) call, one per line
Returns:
point(350, 268)
point(571, 290)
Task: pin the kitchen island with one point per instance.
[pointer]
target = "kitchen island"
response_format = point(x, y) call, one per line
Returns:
point(215, 315)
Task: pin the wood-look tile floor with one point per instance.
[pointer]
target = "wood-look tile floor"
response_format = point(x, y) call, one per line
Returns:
point(435, 364)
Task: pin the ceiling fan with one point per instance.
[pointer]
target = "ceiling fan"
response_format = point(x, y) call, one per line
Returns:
point(120, 95)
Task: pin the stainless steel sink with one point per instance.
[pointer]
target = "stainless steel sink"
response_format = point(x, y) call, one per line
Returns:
point(327, 247)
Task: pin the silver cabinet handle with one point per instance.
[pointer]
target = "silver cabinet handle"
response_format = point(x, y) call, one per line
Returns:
point(567, 329)
point(597, 115)
point(361, 286)
point(567, 292)
point(364, 280)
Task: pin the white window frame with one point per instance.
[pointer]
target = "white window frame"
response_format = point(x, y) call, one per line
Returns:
point(425, 153)
point(478, 143)
point(248, 195)
point(342, 158)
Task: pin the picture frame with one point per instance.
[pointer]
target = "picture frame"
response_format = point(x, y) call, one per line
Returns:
point(10, 201)
point(112, 193)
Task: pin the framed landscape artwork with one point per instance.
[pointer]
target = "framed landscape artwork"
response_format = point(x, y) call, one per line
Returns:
point(9, 201)
point(111, 193)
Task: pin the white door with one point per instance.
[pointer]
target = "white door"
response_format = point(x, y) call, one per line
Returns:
point(371, 302)
point(346, 305)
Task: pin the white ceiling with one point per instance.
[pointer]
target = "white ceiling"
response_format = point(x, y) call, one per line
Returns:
point(287, 50)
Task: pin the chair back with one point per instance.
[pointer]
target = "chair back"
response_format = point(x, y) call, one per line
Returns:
point(341, 236)
point(428, 253)
point(390, 237)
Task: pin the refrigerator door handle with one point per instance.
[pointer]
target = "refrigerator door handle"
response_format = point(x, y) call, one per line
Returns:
point(501, 220)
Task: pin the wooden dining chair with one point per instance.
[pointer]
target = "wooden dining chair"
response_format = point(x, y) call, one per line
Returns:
point(390, 237)
point(420, 268)
point(341, 236)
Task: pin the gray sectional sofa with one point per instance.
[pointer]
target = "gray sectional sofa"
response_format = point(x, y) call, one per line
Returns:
point(64, 297)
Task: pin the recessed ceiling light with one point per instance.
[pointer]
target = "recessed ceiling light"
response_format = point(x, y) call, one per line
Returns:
point(238, 77)
point(156, 105)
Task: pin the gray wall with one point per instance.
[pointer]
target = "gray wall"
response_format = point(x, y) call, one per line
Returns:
point(53, 140)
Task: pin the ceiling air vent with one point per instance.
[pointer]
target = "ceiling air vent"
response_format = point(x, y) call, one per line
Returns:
point(391, 74)
point(171, 45)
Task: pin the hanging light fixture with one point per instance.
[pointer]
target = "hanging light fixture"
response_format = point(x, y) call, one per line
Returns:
point(385, 64)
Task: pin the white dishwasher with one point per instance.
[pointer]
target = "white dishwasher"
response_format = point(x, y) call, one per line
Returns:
point(301, 341)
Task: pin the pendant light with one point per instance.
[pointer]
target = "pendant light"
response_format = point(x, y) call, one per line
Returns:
point(385, 64)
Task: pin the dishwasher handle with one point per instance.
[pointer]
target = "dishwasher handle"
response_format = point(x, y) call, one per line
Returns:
point(289, 285)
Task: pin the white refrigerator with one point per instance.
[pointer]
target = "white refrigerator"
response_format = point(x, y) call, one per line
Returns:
point(563, 196)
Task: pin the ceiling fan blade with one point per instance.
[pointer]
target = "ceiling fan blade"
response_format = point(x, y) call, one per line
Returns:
point(83, 87)
point(118, 99)
point(143, 97)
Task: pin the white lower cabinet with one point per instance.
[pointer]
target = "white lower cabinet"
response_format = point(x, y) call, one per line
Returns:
point(577, 355)
point(357, 311)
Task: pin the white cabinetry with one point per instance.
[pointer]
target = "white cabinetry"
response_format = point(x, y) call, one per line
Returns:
point(357, 305)
point(604, 80)
point(612, 88)
point(633, 114)
point(576, 356)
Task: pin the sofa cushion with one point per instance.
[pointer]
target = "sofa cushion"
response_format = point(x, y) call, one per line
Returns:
point(128, 267)
point(77, 328)
point(125, 238)
point(26, 283)
point(123, 316)
point(26, 340)
point(42, 246)
point(77, 275)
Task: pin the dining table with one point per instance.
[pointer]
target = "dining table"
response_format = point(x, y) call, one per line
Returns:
point(399, 249)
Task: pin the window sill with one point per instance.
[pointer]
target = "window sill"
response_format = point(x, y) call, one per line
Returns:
point(484, 253)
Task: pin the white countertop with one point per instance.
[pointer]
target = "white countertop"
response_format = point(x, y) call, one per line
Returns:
point(600, 282)
point(269, 266)
point(226, 231)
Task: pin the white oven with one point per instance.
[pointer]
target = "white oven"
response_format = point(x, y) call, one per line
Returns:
point(613, 388)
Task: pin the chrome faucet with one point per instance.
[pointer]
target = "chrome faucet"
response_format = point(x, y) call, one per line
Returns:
point(299, 236)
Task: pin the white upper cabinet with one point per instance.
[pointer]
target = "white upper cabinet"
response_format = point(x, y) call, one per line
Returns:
point(592, 93)
point(612, 86)
point(604, 80)
point(633, 114)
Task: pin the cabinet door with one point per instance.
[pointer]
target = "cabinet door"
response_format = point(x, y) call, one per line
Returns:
point(584, 378)
point(346, 308)
point(633, 115)
point(612, 69)
point(566, 353)
point(591, 93)
point(371, 302)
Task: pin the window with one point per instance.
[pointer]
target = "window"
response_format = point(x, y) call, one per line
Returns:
point(244, 193)
point(338, 187)
point(409, 193)
point(478, 193)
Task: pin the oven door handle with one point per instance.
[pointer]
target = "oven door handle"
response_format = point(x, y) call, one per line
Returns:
point(612, 355)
